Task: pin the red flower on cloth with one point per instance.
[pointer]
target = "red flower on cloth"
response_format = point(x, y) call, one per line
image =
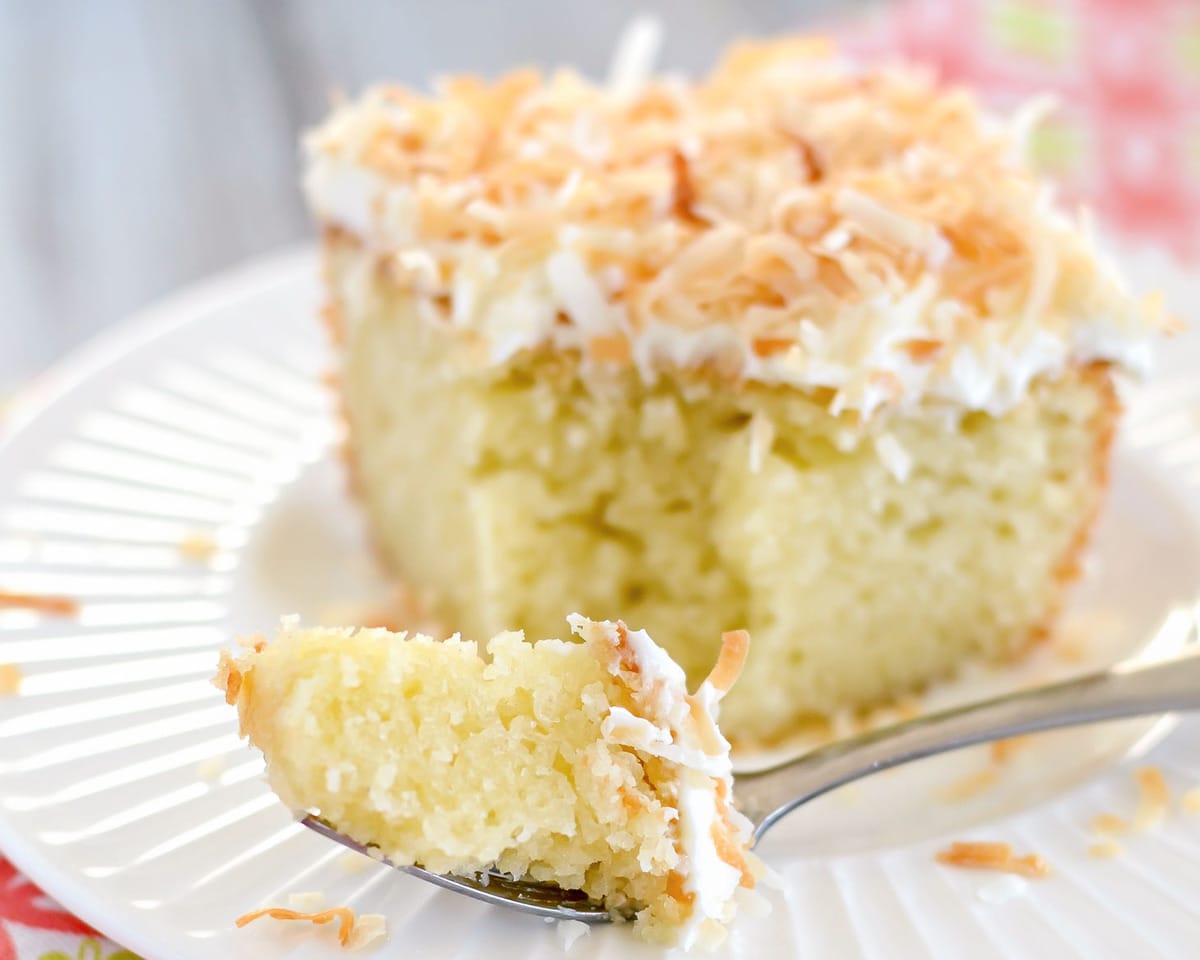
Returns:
point(21, 902)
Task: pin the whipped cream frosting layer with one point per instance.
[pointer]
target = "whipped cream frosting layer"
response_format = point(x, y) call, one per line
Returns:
point(787, 220)
point(681, 728)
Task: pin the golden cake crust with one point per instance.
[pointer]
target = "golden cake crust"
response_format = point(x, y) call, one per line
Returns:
point(1071, 567)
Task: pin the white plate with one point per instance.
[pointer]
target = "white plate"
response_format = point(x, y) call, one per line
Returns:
point(125, 793)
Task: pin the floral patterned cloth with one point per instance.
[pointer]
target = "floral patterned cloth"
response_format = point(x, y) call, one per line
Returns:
point(1126, 140)
point(33, 927)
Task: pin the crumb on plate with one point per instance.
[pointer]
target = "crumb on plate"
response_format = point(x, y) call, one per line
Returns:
point(344, 915)
point(306, 901)
point(210, 768)
point(1191, 801)
point(1105, 850)
point(1154, 798)
point(969, 786)
point(367, 929)
point(10, 679)
point(569, 931)
point(1109, 823)
point(993, 856)
point(198, 546)
point(1070, 650)
point(1004, 750)
point(49, 604)
point(352, 862)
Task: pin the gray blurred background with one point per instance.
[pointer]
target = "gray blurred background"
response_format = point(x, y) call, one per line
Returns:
point(147, 143)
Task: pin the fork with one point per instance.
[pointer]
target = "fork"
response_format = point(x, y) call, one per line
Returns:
point(765, 796)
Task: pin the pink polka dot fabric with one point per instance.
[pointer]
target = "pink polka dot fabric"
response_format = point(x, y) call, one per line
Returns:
point(1125, 139)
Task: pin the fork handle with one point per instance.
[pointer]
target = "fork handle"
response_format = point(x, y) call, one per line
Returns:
point(1124, 691)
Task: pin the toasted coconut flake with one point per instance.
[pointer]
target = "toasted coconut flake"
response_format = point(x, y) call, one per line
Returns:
point(1109, 823)
point(685, 194)
point(1154, 799)
point(335, 326)
point(368, 928)
point(567, 932)
point(344, 916)
point(198, 546)
point(1191, 801)
point(813, 165)
point(1004, 750)
point(970, 786)
point(210, 769)
point(53, 606)
point(307, 901)
point(10, 679)
point(762, 436)
point(609, 349)
point(353, 862)
point(922, 349)
point(1105, 850)
point(993, 856)
point(895, 458)
point(876, 221)
point(1071, 649)
point(633, 59)
point(729, 849)
point(771, 346)
point(228, 677)
point(908, 708)
point(735, 646)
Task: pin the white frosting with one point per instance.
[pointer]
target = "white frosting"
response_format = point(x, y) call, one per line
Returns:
point(683, 730)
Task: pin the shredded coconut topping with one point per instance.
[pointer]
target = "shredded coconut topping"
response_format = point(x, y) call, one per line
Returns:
point(788, 219)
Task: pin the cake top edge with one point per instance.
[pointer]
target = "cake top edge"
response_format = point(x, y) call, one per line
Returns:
point(791, 217)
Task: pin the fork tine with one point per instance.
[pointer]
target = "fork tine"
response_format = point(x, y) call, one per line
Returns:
point(538, 899)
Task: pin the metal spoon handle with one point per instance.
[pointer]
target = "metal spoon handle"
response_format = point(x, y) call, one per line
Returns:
point(1124, 691)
